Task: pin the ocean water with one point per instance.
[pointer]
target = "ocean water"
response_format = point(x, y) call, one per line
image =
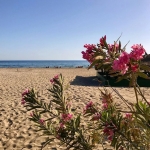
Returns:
point(43, 63)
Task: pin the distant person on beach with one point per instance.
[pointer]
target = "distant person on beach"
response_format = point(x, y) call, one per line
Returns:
point(79, 67)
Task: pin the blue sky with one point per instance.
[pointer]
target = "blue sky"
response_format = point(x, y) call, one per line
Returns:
point(58, 29)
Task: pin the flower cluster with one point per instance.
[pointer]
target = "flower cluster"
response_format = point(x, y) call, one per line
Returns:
point(112, 48)
point(88, 54)
point(89, 108)
point(108, 132)
point(96, 116)
point(102, 40)
point(128, 116)
point(23, 95)
point(129, 61)
point(137, 53)
point(121, 63)
point(25, 92)
point(41, 121)
point(53, 80)
point(92, 51)
point(89, 105)
point(66, 117)
point(108, 57)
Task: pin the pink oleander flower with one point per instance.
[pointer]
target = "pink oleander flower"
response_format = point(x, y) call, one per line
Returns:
point(112, 47)
point(96, 116)
point(66, 117)
point(128, 116)
point(110, 136)
point(124, 58)
point(122, 63)
point(52, 81)
point(23, 101)
point(89, 105)
point(109, 133)
point(25, 92)
point(105, 105)
point(56, 77)
point(31, 114)
point(88, 56)
point(134, 68)
point(61, 125)
point(138, 52)
point(102, 40)
point(117, 66)
point(89, 47)
point(85, 55)
point(41, 121)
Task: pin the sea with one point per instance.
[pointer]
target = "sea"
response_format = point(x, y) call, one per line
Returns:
point(43, 63)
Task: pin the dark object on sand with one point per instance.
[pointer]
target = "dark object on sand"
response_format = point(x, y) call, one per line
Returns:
point(111, 81)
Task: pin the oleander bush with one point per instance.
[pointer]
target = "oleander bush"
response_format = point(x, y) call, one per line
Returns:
point(123, 129)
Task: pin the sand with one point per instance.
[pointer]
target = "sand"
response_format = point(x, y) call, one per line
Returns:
point(16, 131)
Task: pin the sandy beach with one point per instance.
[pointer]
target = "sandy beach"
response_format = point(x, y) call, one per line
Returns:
point(17, 132)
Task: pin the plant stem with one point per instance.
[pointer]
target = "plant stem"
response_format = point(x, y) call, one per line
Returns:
point(127, 139)
point(124, 100)
point(134, 86)
point(142, 94)
point(135, 90)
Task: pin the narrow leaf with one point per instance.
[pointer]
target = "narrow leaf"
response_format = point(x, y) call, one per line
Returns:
point(145, 67)
point(143, 75)
point(125, 45)
point(93, 64)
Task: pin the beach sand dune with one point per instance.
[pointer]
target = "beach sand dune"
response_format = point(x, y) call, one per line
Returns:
point(16, 131)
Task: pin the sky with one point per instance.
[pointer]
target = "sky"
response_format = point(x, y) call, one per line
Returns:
point(58, 29)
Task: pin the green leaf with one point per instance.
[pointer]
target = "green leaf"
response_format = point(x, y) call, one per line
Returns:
point(119, 38)
point(122, 77)
point(112, 71)
point(93, 64)
point(115, 74)
point(119, 45)
point(114, 141)
point(56, 102)
point(143, 75)
point(105, 44)
point(47, 142)
point(77, 122)
point(125, 45)
point(145, 67)
point(99, 65)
